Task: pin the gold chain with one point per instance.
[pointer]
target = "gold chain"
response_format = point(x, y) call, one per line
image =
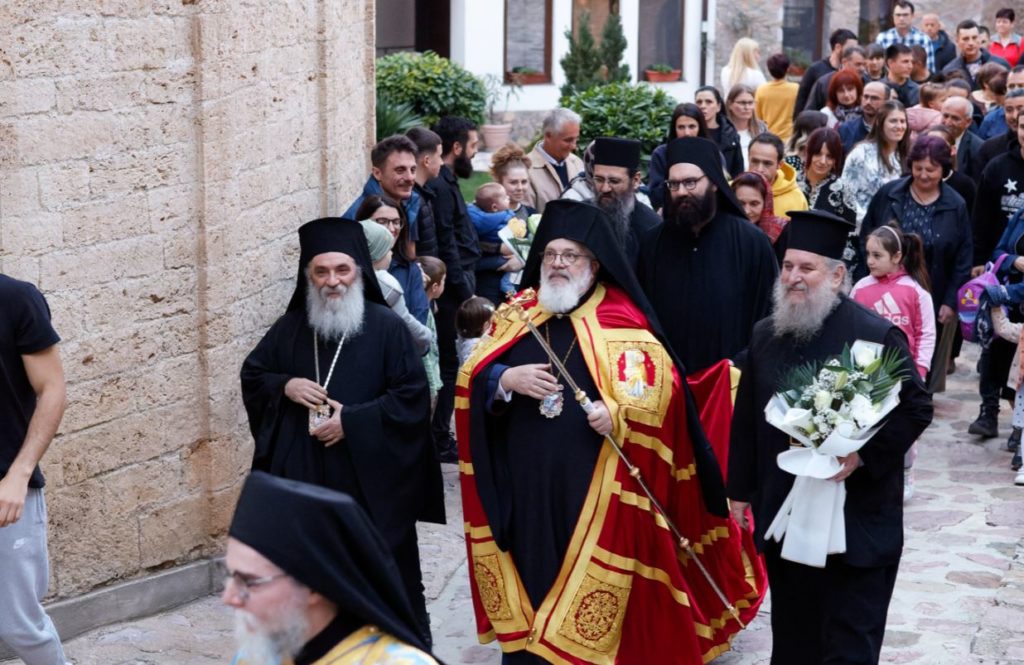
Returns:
point(547, 335)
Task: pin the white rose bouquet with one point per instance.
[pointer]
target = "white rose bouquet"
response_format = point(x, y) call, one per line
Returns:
point(830, 409)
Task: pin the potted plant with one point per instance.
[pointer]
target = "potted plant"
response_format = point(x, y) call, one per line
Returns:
point(662, 73)
point(525, 76)
point(497, 130)
point(798, 61)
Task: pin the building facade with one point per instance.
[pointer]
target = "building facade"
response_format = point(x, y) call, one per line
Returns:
point(156, 159)
point(526, 38)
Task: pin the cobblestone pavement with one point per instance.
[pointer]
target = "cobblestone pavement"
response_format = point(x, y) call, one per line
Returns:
point(959, 598)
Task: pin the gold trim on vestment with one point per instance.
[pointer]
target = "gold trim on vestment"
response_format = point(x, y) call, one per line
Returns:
point(583, 613)
point(352, 651)
point(647, 572)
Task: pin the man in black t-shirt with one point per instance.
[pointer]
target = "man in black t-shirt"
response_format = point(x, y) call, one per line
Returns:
point(32, 398)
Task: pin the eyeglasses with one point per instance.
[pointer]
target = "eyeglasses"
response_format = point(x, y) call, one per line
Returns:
point(245, 584)
point(389, 221)
point(744, 103)
point(601, 181)
point(568, 258)
point(689, 184)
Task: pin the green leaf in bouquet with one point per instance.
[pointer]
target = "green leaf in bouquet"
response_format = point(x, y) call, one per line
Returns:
point(846, 357)
point(799, 378)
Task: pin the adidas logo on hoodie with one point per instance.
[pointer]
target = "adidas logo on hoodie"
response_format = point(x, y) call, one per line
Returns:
point(887, 307)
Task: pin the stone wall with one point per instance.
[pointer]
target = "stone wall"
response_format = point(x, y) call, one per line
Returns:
point(156, 157)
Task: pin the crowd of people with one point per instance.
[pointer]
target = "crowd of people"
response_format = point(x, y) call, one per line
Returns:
point(571, 338)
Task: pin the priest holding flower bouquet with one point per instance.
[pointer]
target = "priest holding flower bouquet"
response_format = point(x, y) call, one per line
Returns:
point(794, 393)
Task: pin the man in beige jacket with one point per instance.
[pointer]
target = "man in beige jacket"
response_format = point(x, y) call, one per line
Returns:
point(552, 162)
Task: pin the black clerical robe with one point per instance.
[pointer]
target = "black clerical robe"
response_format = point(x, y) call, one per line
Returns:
point(548, 463)
point(708, 291)
point(385, 460)
point(836, 612)
point(642, 221)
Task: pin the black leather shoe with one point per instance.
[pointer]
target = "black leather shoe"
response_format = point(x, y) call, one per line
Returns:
point(449, 453)
point(986, 426)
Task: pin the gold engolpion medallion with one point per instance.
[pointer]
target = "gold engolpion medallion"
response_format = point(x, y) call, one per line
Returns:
point(319, 416)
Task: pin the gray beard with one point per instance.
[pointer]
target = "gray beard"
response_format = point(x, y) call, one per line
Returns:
point(563, 298)
point(261, 647)
point(334, 318)
point(621, 209)
point(802, 320)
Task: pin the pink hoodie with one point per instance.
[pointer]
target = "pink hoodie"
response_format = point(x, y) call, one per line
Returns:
point(898, 298)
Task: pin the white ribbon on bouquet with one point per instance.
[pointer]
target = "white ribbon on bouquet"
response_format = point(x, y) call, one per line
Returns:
point(810, 524)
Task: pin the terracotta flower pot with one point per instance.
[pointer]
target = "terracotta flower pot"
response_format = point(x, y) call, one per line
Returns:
point(526, 78)
point(496, 136)
point(662, 77)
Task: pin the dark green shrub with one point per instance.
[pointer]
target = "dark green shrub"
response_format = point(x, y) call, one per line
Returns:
point(582, 62)
point(613, 47)
point(433, 86)
point(639, 112)
point(587, 65)
point(395, 117)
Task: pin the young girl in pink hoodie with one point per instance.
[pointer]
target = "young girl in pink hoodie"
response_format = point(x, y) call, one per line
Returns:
point(897, 290)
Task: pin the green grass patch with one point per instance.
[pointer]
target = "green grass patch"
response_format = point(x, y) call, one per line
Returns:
point(470, 185)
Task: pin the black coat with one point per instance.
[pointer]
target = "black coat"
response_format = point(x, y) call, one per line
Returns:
point(1000, 194)
point(874, 501)
point(948, 255)
point(958, 64)
point(945, 51)
point(728, 140)
point(967, 160)
point(810, 77)
point(426, 245)
point(641, 222)
point(996, 146)
point(458, 245)
point(964, 186)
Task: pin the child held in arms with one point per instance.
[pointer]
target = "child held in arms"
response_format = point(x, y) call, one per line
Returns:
point(490, 213)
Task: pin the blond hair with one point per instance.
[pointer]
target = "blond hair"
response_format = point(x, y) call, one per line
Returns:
point(488, 194)
point(742, 58)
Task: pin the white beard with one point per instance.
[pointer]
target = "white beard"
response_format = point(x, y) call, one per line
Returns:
point(803, 319)
point(563, 297)
point(258, 646)
point(332, 318)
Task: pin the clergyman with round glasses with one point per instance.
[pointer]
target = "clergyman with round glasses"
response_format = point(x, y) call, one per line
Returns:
point(708, 271)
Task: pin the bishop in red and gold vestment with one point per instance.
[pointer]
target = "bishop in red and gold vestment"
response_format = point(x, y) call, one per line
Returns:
point(569, 562)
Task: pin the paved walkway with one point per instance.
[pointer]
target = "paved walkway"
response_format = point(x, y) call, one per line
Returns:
point(959, 597)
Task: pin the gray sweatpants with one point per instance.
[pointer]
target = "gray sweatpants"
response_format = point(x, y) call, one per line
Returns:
point(24, 576)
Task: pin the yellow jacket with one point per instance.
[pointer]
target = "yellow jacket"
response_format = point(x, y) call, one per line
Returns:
point(786, 192)
point(774, 102)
